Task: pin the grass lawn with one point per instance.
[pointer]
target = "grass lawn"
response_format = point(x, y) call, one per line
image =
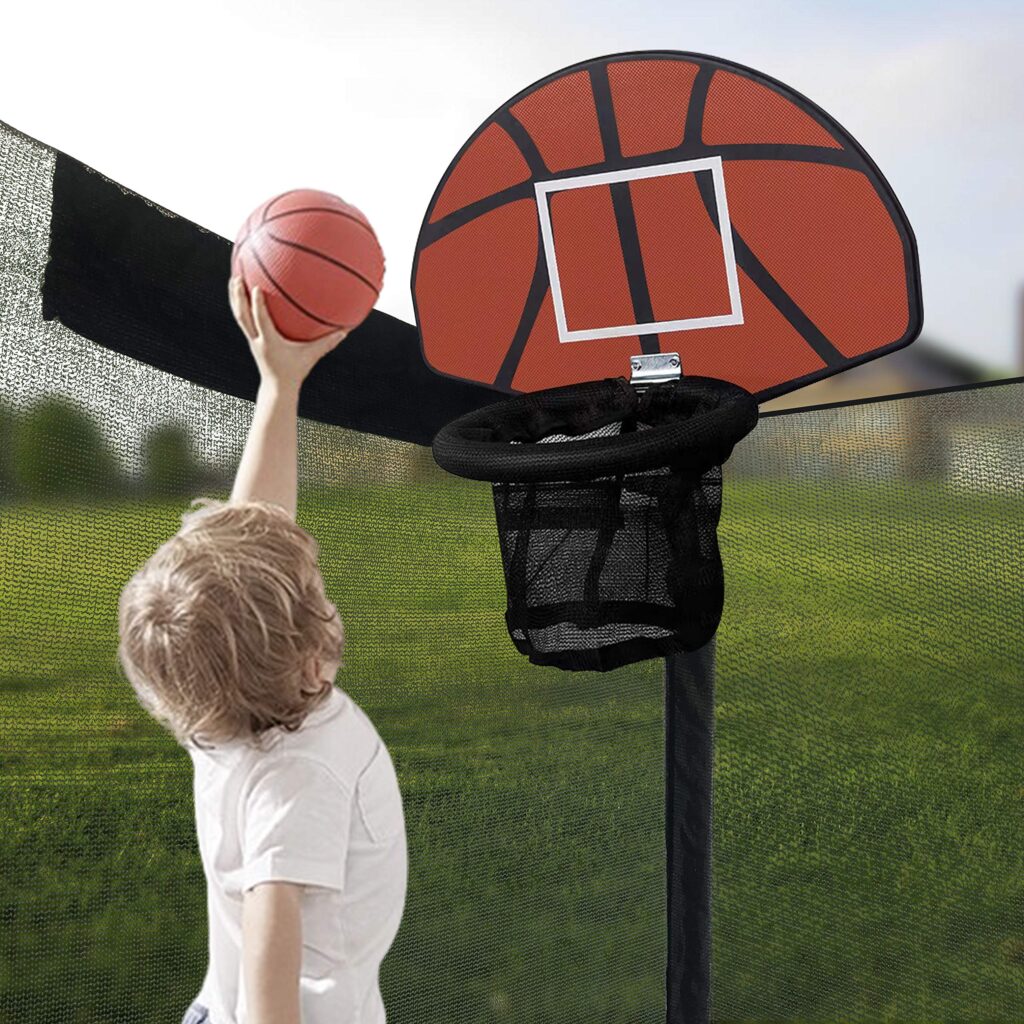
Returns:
point(868, 789)
point(869, 793)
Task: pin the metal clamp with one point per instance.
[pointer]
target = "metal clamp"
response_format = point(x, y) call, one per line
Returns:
point(656, 368)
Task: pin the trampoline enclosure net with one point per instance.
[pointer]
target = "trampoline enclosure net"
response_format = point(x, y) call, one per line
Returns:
point(867, 862)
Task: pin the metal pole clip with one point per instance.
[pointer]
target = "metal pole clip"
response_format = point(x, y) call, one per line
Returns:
point(656, 368)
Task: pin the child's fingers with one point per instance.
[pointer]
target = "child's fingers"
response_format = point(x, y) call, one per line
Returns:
point(329, 342)
point(260, 316)
point(240, 307)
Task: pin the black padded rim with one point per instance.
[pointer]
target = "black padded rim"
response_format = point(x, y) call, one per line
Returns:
point(695, 422)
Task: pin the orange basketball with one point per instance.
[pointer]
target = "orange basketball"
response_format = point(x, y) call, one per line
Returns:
point(315, 257)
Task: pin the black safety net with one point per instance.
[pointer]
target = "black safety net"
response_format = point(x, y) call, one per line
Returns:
point(867, 790)
point(869, 714)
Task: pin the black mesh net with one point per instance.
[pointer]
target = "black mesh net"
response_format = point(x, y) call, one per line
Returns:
point(867, 862)
point(867, 775)
point(604, 572)
point(608, 531)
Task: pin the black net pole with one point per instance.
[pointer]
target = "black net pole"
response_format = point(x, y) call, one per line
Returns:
point(689, 734)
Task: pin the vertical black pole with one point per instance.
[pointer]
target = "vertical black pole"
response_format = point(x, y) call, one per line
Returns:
point(689, 736)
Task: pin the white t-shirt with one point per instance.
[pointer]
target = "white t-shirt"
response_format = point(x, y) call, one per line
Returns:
point(320, 806)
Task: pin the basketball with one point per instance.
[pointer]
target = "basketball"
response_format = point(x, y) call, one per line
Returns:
point(662, 202)
point(315, 257)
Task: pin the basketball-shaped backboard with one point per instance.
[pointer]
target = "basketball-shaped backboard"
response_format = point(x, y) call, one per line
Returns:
point(662, 202)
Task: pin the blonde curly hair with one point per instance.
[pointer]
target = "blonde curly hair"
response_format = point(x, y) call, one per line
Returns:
point(225, 629)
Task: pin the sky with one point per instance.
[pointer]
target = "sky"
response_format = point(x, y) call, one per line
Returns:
point(208, 108)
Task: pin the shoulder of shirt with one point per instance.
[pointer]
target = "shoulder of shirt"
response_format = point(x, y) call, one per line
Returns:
point(342, 739)
point(342, 745)
point(278, 761)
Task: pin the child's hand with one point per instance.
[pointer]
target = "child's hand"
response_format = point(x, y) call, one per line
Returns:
point(280, 360)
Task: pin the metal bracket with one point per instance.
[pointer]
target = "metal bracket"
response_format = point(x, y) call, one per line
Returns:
point(656, 368)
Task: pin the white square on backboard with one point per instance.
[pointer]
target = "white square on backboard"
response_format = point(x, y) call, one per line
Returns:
point(712, 164)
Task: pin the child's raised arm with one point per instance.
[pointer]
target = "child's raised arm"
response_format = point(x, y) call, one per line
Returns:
point(268, 470)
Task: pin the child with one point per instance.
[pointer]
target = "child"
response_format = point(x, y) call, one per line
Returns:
point(230, 641)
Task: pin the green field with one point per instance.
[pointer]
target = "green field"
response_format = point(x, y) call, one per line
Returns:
point(868, 787)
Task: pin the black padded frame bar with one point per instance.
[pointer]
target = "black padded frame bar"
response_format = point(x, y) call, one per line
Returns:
point(140, 280)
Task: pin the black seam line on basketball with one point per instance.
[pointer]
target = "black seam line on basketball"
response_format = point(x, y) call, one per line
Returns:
point(850, 155)
point(857, 159)
point(603, 107)
point(632, 257)
point(622, 207)
point(740, 151)
point(457, 218)
point(772, 290)
point(324, 209)
point(531, 310)
point(860, 160)
point(266, 209)
point(270, 203)
point(743, 254)
point(241, 242)
point(240, 248)
point(304, 209)
point(285, 295)
point(515, 130)
point(330, 259)
point(695, 108)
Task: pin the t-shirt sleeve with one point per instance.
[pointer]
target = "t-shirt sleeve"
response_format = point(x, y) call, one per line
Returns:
point(295, 826)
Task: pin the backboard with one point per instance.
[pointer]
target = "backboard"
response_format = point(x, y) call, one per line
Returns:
point(662, 201)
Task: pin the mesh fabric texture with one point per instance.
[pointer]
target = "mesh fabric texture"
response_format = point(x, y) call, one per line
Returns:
point(867, 857)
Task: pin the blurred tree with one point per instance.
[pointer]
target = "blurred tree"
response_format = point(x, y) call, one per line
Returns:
point(59, 450)
point(171, 469)
point(928, 453)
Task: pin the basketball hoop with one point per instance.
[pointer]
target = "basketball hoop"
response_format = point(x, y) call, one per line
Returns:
point(607, 497)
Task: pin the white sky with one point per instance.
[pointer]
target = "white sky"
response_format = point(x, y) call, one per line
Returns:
point(209, 107)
